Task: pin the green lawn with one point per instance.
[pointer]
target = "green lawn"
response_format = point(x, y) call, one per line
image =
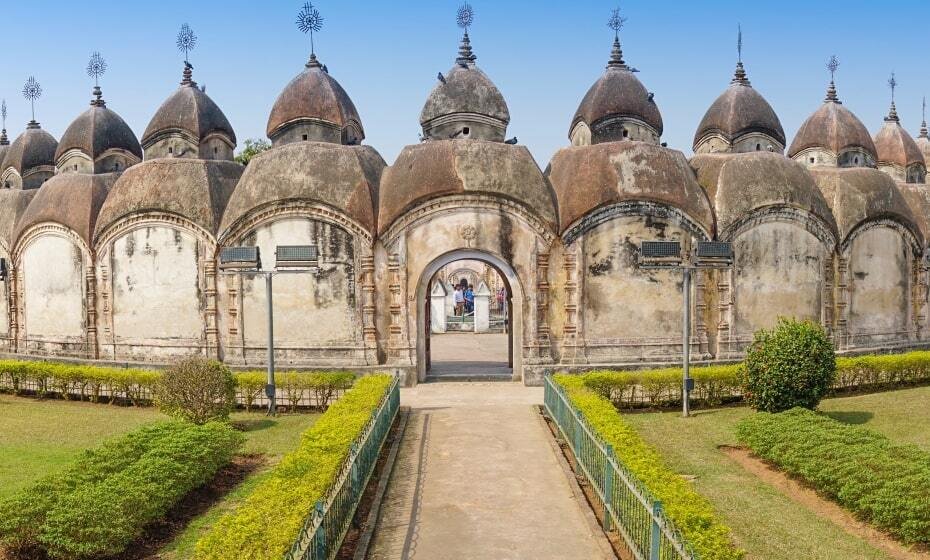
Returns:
point(39, 437)
point(764, 522)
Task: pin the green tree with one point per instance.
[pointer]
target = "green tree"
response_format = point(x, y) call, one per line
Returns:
point(197, 390)
point(253, 147)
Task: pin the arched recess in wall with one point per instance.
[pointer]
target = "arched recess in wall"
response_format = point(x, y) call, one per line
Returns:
point(784, 261)
point(516, 292)
point(156, 281)
point(489, 225)
point(615, 311)
point(54, 283)
point(878, 276)
point(323, 318)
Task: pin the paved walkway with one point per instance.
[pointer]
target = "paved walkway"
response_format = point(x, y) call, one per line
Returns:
point(477, 477)
point(480, 355)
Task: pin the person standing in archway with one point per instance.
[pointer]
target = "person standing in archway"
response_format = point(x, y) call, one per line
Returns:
point(470, 299)
point(459, 300)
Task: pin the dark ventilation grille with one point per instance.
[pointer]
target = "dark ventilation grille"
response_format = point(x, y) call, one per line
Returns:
point(661, 249)
point(297, 255)
point(240, 257)
point(714, 250)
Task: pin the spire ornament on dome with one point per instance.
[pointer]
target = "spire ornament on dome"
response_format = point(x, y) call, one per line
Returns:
point(97, 67)
point(923, 118)
point(739, 76)
point(4, 141)
point(465, 17)
point(892, 111)
point(615, 22)
point(186, 41)
point(32, 90)
point(309, 21)
point(832, 65)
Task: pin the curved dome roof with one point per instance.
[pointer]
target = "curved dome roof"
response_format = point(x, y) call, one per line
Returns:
point(313, 94)
point(465, 89)
point(33, 148)
point(917, 196)
point(833, 127)
point(449, 167)
point(588, 177)
point(618, 92)
point(923, 143)
point(4, 147)
point(894, 145)
point(739, 110)
point(742, 183)
point(342, 177)
point(97, 130)
point(191, 110)
point(859, 194)
point(13, 203)
point(195, 189)
point(70, 199)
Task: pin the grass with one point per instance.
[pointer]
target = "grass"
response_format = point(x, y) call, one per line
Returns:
point(764, 522)
point(40, 437)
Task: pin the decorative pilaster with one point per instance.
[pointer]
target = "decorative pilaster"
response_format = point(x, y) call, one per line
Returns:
point(211, 331)
point(397, 349)
point(90, 283)
point(573, 331)
point(369, 330)
point(725, 309)
point(700, 309)
point(13, 307)
point(842, 303)
point(828, 315)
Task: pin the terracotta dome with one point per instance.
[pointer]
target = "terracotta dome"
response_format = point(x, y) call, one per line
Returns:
point(738, 111)
point(894, 145)
point(188, 110)
point(618, 93)
point(72, 200)
point(31, 149)
point(315, 96)
point(832, 127)
point(96, 131)
point(922, 141)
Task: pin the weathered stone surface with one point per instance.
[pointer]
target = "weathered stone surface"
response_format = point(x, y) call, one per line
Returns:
point(835, 128)
point(313, 95)
point(194, 189)
point(894, 145)
point(449, 167)
point(13, 204)
point(618, 92)
point(70, 200)
point(466, 90)
point(738, 111)
point(191, 111)
point(588, 177)
point(32, 149)
point(344, 178)
point(96, 131)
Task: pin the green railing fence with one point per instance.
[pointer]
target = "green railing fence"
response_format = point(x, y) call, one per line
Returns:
point(326, 526)
point(628, 506)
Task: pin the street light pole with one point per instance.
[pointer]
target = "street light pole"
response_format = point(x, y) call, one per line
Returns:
point(686, 342)
point(270, 387)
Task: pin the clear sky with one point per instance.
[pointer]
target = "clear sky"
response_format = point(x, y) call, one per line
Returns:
point(543, 55)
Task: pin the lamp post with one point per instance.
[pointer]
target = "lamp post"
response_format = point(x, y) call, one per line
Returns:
point(667, 255)
point(289, 259)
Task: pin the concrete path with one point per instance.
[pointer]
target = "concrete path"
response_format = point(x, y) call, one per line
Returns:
point(477, 477)
point(477, 355)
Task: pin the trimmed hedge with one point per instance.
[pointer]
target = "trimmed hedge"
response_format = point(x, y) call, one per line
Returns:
point(266, 524)
point(883, 482)
point(720, 384)
point(692, 514)
point(136, 386)
point(102, 502)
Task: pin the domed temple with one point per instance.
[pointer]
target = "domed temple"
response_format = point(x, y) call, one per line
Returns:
point(111, 243)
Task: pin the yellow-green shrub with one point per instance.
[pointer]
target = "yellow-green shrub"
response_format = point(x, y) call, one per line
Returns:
point(692, 514)
point(269, 520)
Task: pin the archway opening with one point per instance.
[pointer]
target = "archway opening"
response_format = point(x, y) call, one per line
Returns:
point(469, 325)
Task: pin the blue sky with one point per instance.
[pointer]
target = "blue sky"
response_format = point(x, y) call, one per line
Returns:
point(543, 56)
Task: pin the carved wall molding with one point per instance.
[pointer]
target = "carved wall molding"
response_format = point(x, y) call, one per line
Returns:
point(769, 214)
point(635, 208)
point(274, 211)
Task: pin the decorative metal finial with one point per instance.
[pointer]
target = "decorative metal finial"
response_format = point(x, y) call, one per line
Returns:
point(615, 22)
point(465, 16)
point(187, 40)
point(97, 67)
point(832, 65)
point(892, 111)
point(4, 141)
point(309, 21)
point(739, 43)
point(923, 118)
point(32, 91)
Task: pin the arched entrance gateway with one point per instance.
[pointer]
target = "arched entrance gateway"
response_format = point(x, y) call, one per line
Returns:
point(513, 327)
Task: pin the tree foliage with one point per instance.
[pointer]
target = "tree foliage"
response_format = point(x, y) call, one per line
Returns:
point(253, 147)
point(197, 390)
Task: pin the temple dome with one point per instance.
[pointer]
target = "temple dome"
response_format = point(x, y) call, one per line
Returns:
point(897, 153)
point(189, 124)
point(465, 103)
point(72, 200)
point(739, 120)
point(835, 129)
point(197, 190)
point(31, 156)
point(443, 168)
point(923, 142)
point(586, 178)
point(103, 137)
point(313, 106)
point(342, 178)
point(616, 107)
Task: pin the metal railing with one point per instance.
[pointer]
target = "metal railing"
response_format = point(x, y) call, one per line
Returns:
point(325, 527)
point(626, 505)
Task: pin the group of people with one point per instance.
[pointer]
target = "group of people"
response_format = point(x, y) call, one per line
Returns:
point(464, 299)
